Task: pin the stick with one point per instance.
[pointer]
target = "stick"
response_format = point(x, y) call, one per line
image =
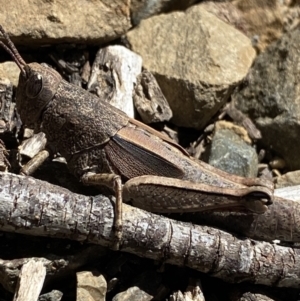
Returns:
point(35, 207)
point(31, 280)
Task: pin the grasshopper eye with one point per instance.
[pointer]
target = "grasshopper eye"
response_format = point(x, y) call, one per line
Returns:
point(34, 85)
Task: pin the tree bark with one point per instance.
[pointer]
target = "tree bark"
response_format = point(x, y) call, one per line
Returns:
point(34, 207)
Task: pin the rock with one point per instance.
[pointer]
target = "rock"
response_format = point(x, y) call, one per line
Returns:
point(266, 21)
point(289, 193)
point(238, 130)
point(262, 21)
point(149, 100)
point(289, 179)
point(231, 154)
point(195, 74)
point(142, 9)
point(239, 295)
point(70, 60)
point(51, 21)
point(270, 97)
point(11, 71)
point(192, 293)
point(133, 294)
point(114, 75)
point(228, 12)
point(146, 287)
point(54, 295)
point(90, 287)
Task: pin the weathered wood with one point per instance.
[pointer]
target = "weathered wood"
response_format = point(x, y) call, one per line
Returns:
point(243, 120)
point(4, 163)
point(56, 266)
point(32, 146)
point(149, 99)
point(10, 269)
point(35, 207)
point(9, 121)
point(114, 74)
point(31, 280)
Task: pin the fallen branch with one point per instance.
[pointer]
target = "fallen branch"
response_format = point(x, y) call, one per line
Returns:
point(34, 207)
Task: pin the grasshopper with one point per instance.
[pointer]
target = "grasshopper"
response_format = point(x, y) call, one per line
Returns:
point(103, 146)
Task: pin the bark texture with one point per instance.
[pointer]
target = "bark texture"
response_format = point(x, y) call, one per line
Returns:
point(35, 207)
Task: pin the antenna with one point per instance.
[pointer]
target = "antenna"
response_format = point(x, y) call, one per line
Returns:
point(12, 50)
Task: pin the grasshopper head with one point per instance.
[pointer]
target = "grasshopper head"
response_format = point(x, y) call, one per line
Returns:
point(38, 84)
point(36, 88)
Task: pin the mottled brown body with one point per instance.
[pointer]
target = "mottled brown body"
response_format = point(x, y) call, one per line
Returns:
point(102, 145)
point(97, 138)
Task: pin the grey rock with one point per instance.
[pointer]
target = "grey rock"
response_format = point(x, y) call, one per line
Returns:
point(142, 9)
point(265, 21)
point(146, 287)
point(231, 154)
point(270, 97)
point(70, 21)
point(192, 293)
point(228, 12)
point(133, 294)
point(289, 179)
point(289, 193)
point(197, 60)
point(249, 296)
point(51, 296)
